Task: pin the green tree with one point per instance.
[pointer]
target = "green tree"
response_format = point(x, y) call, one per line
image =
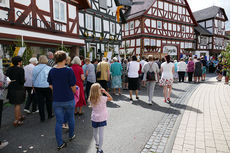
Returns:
point(226, 59)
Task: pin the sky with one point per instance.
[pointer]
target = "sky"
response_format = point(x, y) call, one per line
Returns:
point(196, 5)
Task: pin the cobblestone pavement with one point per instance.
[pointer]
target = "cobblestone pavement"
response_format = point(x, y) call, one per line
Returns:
point(159, 138)
point(129, 125)
point(206, 130)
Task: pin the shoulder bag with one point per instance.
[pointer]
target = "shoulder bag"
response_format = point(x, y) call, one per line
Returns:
point(150, 75)
point(98, 74)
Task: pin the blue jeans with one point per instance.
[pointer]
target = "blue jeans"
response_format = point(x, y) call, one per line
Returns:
point(64, 110)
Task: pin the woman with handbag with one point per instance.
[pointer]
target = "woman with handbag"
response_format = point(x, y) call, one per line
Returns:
point(16, 91)
point(41, 86)
point(79, 74)
point(151, 75)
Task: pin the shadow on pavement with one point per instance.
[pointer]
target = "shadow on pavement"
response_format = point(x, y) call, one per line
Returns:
point(182, 106)
point(112, 105)
point(180, 90)
point(41, 136)
point(156, 107)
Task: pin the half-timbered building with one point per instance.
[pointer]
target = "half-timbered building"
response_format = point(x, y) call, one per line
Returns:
point(99, 28)
point(158, 26)
point(42, 22)
point(212, 21)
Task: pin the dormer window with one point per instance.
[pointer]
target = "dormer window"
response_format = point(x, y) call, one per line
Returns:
point(103, 4)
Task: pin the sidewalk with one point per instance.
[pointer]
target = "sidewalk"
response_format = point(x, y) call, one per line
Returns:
point(206, 130)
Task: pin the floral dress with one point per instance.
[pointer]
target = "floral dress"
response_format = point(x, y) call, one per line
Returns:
point(167, 75)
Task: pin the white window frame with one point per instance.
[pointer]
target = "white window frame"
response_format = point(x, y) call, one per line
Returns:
point(89, 22)
point(65, 11)
point(112, 28)
point(5, 3)
point(97, 24)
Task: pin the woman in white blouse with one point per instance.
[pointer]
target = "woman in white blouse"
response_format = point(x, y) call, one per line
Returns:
point(133, 68)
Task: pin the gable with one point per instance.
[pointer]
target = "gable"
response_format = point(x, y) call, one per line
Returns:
point(210, 13)
point(177, 10)
point(221, 14)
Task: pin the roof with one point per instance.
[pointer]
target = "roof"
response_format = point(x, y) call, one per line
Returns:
point(82, 4)
point(208, 13)
point(139, 7)
point(202, 31)
point(124, 2)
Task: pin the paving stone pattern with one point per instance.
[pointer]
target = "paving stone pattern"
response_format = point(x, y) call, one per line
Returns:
point(208, 129)
point(161, 134)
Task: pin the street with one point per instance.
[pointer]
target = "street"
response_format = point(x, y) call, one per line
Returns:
point(130, 126)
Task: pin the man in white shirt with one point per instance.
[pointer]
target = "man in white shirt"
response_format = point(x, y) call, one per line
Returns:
point(28, 85)
point(150, 66)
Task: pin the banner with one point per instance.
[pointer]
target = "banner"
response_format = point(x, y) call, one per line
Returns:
point(19, 51)
point(105, 54)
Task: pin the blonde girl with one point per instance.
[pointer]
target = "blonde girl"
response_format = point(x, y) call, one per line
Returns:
point(99, 113)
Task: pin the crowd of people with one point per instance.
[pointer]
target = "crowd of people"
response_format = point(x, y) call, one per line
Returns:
point(54, 81)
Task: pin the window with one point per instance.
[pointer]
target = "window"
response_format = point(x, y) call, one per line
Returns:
point(131, 25)
point(4, 3)
point(203, 41)
point(182, 28)
point(159, 24)
point(59, 11)
point(89, 22)
point(103, 4)
point(112, 28)
point(126, 26)
point(109, 3)
point(146, 42)
point(97, 24)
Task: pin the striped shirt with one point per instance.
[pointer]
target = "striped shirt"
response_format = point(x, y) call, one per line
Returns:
point(51, 63)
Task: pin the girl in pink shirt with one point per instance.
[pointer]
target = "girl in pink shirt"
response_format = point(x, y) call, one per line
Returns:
point(99, 113)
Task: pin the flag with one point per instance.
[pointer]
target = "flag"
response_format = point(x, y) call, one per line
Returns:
point(19, 51)
point(105, 54)
point(118, 12)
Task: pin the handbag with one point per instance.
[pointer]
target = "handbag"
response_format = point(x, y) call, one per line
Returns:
point(98, 74)
point(77, 95)
point(151, 75)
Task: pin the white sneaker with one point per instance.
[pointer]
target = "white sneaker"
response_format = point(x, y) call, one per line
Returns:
point(3, 144)
point(149, 102)
point(27, 111)
point(37, 111)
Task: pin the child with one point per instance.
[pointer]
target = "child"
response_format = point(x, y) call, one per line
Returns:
point(99, 113)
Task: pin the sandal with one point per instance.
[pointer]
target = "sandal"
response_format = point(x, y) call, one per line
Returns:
point(169, 101)
point(17, 123)
point(80, 114)
point(22, 118)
